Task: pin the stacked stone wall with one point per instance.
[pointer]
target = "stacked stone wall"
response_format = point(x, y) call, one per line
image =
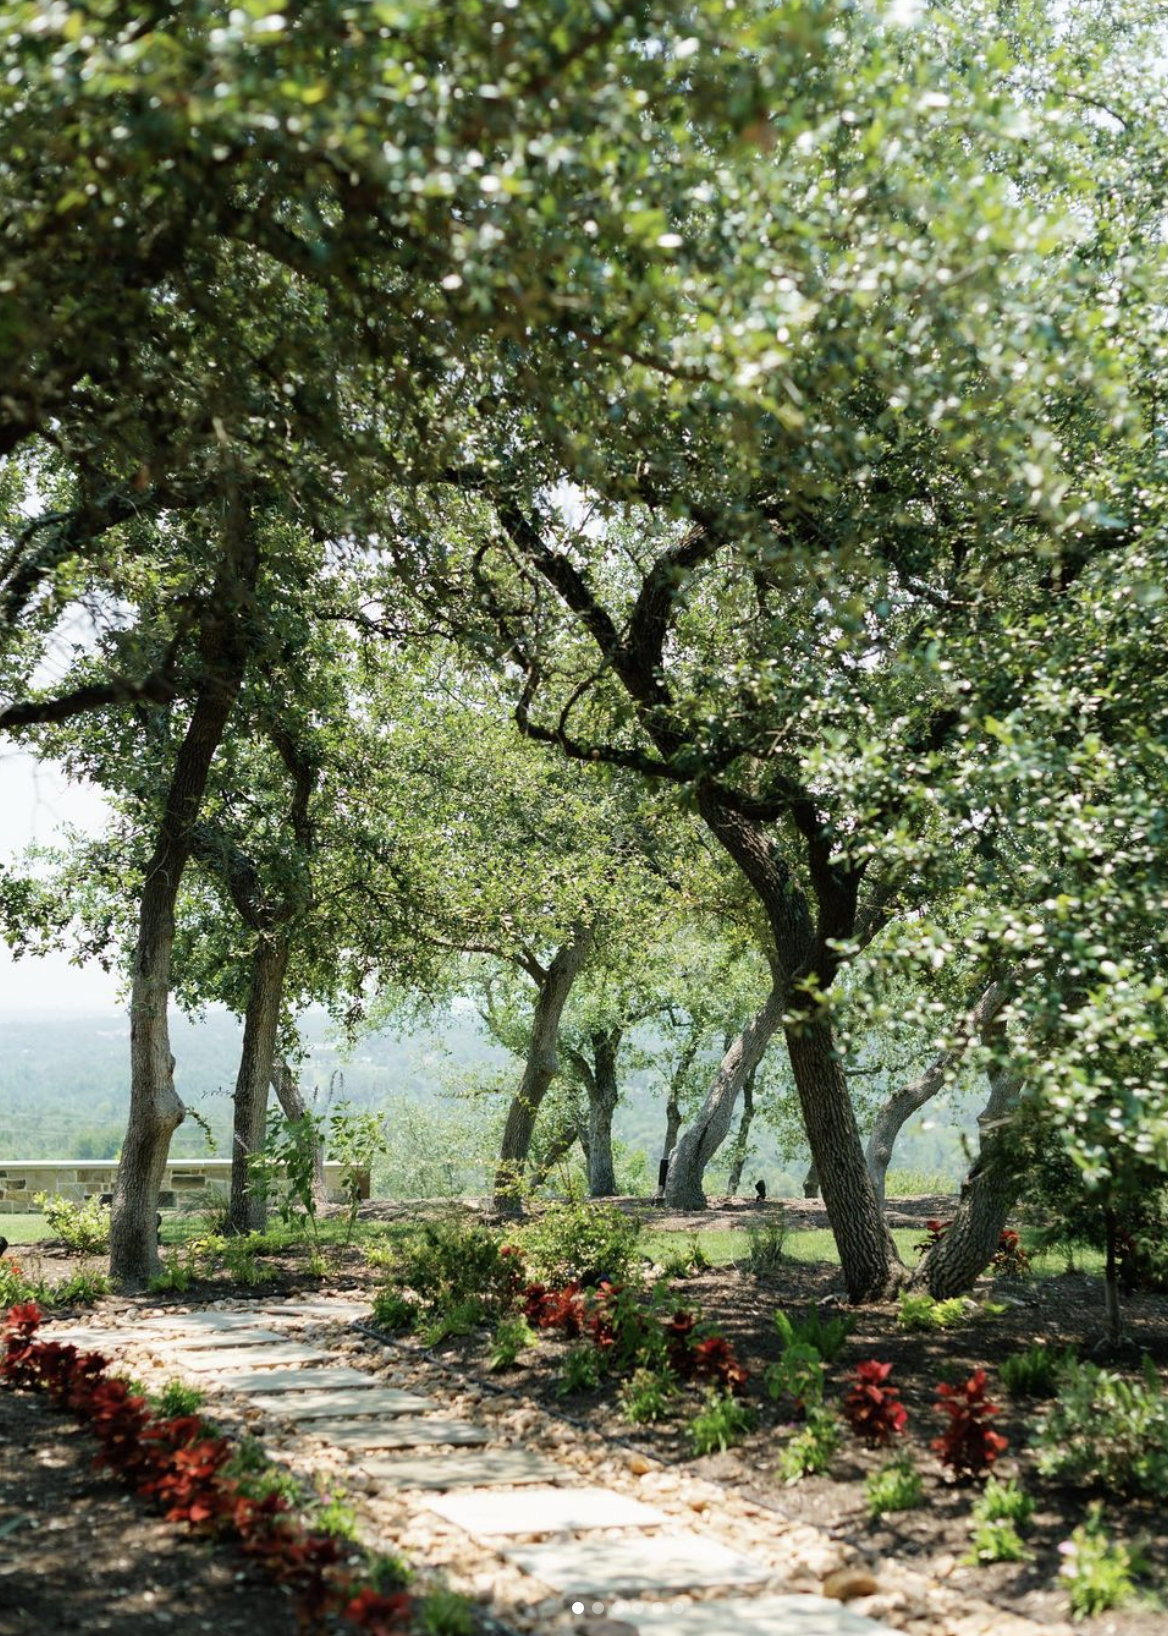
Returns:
point(80, 1179)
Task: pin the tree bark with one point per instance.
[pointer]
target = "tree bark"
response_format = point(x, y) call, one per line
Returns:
point(247, 1209)
point(742, 1134)
point(293, 1107)
point(155, 1108)
point(603, 1093)
point(811, 1182)
point(540, 1068)
point(987, 1197)
point(903, 1103)
point(683, 1185)
point(866, 1249)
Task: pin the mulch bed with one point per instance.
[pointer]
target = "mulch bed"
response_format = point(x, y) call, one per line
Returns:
point(85, 1555)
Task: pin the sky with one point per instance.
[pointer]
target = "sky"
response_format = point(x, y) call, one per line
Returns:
point(35, 800)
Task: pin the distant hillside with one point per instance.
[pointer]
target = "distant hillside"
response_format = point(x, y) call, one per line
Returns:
point(64, 1093)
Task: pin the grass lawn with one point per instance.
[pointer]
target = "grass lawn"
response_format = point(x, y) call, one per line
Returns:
point(23, 1229)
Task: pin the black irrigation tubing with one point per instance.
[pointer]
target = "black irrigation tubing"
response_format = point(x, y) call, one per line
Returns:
point(384, 1339)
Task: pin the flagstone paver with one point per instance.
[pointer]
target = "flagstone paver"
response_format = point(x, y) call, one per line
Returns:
point(347, 1310)
point(546, 1511)
point(198, 1321)
point(256, 1383)
point(179, 1340)
point(332, 1405)
point(405, 1433)
point(763, 1616)
point(471, 1470)
point(257, 1357)
point(649, 1562)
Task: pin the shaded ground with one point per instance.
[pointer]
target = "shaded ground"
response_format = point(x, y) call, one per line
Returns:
point(78, 1553)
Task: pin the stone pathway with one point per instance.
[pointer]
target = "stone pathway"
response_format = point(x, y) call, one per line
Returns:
point(529, 1535)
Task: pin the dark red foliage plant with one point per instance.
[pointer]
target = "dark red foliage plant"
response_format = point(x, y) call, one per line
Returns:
point(936, 1231)
point(561, 1309)
point(180, 1465)
point(871, 1407)
point(969, 1445)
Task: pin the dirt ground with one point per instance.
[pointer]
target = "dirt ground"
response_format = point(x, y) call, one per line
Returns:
point(78, 1553)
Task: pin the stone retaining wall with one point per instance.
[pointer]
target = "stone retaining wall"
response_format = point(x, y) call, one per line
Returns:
point(79, 1179)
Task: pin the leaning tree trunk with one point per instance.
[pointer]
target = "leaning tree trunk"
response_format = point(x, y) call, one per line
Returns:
point(742, 1134)
point(903, 1103)
point(293, 1107)
point(987, 1197)
point(602, 1099)
point(540, 1068)
point(155, 1108)
point(811, 1182)
point(866, 1249)
point(683, 1185)
point(247, 1209)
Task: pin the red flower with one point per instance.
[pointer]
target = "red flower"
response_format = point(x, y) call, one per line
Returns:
point(380, 1615)
point(872, 1408)
point(968, 1446)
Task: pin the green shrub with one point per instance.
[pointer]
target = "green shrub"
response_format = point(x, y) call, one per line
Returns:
point(393, 1312)
point(1107, 1431)
point(449, 1323)
point(1098, 1573)
point(896, 1486)
point(581, 1370)
point(828, 1337)
point(444, 1264)
point(85, 1228)
point(177, 1398)
point(512, 1336)
point(336, 1517)
point(684, 1263)
point(175, 1277)
point(649, 1395)
point(581, 1243)
point(809, 1451)
point(445, 1613)
point(80, 1289)
point(764, 1245)
point(798, 1375)
point(921, 1314)
point(999, 1514)
point(1035, 1372)
point(723, 1422)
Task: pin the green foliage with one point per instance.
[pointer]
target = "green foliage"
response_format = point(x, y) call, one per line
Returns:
point(80, 1289)
point(386, 1572)
point(648, 1395)
point(446, 1613)
point(453, 1320)
point(581, 1370)
point(581, 1243)
point(1000, 1513)
point(921, 1314)
point(1098, 1572)
point(797, 1375)
point(283, 1171)
point(177, 1398)
point(896, 1486)
point(394, 1312)
point(335, 1516)
point(764, 1245)
point(828, 1337)
point(175, 1277)
point(356, 1140)
point(721, 1424)
point(809, 1451)
point(258, 1476)
point(445, 1269)
point(512, 1336)
point(1104, 1430)
point(685, 1262)
point(1035, 1372)
point(85, 1228)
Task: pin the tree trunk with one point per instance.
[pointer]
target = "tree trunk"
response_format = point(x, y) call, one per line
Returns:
point(155, 1108)
point(540, 1068)
point(247, 1208)
point(987, 1197)
point(1111, 1304)
point(683, 1185)
point(903, 1103)
point(866, 1249)
point(811, 1182)
point(293, 1107)
point(742, 1135)
point(602, 1100)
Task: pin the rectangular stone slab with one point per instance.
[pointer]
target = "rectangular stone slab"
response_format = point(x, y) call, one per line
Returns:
point(768, 1616)
point(331, 1405)
point(471, 1470)
point(652, 1562)
point(341, 1310)
point(256, 1357)
point(86, 1340)
point(546, 1511)
point(230, 1339)
point(395, 1434)
point(253, 1383)
point(197, 1321)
